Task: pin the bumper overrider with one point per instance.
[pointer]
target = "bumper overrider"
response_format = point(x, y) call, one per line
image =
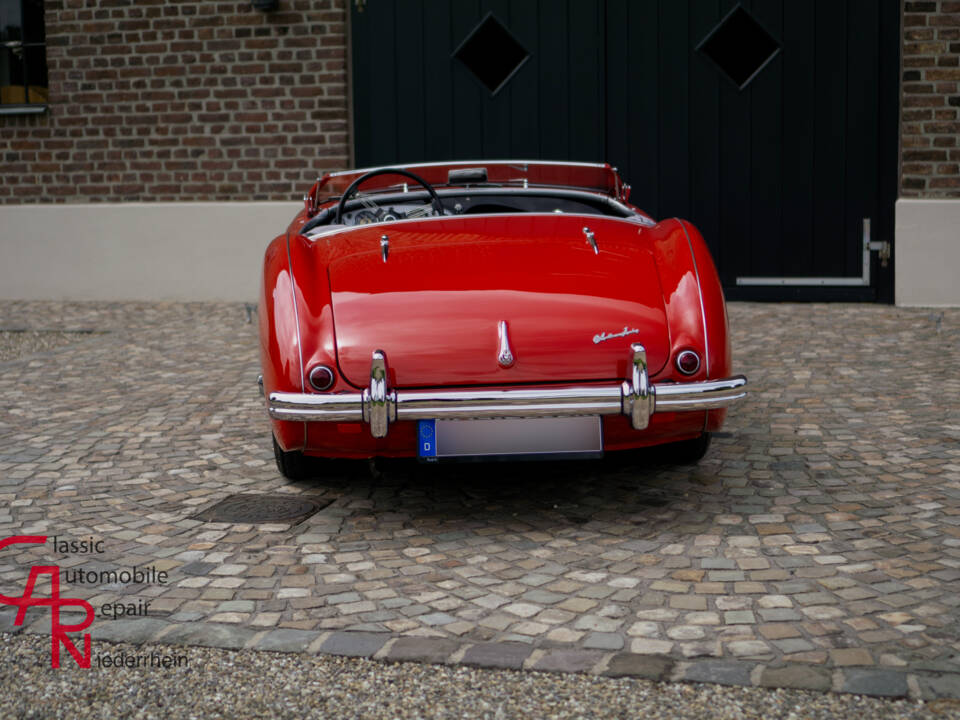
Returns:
point(378, 405)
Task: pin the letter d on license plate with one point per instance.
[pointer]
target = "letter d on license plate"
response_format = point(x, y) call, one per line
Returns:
point(427, 437)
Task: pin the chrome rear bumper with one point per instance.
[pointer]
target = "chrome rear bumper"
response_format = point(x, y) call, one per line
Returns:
point(635, 397)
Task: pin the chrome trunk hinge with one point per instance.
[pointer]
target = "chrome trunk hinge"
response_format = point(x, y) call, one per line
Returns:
point(591, 240)
point(384, 247)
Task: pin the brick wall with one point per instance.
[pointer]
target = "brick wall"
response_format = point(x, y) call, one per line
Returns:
point(206, 100)
point(183, 100)
point(931, 99)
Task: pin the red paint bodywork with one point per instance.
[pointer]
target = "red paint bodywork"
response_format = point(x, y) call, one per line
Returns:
point(434, 307)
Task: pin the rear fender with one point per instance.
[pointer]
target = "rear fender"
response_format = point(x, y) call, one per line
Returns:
point(315, 309)
point(714, 306)
point(679, 281)
point(280, 337)
point(719, 360)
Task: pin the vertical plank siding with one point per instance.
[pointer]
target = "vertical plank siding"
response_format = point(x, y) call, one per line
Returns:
point(778, 175)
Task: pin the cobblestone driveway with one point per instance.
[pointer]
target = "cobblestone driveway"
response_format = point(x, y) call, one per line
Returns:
point(817, 545)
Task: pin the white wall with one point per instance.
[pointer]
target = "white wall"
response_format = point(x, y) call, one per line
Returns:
point(928, 252)
point(213, 251)
point(137, 251)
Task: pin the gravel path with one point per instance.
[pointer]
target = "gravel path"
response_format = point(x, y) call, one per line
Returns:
point(230, 684)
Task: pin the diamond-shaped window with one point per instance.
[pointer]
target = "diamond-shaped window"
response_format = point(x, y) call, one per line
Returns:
point(491, 53)
point(740, 47)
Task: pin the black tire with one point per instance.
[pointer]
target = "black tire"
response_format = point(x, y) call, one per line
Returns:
point(688, 452)
point(293, 465)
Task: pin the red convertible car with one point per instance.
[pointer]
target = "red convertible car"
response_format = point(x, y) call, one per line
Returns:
point(489, 309)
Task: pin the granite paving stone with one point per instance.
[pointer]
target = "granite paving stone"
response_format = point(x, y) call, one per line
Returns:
point(886, 683)
point(497, 655)
point(567, 661)
point(287, 640)
point(635, 665)
point(422, 649)
point(724, 672)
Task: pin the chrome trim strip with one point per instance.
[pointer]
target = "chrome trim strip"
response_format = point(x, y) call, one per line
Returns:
point(703, 311)
point(378, 405)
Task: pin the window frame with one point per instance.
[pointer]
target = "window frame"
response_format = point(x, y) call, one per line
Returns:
point(12, 46)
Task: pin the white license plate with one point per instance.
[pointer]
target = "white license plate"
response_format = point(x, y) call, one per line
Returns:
point(511, 438)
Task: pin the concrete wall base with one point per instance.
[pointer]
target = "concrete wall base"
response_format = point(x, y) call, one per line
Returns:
point(928, 253)
point(214, 251)
point(137, 251)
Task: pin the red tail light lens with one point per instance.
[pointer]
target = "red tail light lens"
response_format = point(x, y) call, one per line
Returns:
point(322, 378)
point(688, 362)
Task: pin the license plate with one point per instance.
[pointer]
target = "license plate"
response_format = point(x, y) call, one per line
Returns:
point(510, 438)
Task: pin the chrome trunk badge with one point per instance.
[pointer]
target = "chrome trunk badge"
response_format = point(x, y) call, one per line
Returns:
point(626, 331)
point(504, 354)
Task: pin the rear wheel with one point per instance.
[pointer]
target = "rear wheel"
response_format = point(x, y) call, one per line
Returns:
point(688, 452)
point(293, 464)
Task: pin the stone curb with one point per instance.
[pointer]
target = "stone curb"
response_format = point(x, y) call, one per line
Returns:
point(870, 681)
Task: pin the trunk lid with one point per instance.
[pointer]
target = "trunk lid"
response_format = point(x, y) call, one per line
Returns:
point(434, 306)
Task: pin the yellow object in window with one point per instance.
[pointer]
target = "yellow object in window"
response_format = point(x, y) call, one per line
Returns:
point(13, 94)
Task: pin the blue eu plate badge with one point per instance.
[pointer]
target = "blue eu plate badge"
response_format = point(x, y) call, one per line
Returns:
point(427, 438)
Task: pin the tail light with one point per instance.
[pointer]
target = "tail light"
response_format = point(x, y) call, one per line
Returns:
point(688, 362)
point(322, 378)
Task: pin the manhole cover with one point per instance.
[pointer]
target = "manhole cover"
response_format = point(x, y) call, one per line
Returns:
point(250, 508)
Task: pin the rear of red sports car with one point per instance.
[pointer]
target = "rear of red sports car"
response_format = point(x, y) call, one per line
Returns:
point(494, 312)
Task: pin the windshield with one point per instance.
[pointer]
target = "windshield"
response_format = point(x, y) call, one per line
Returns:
point(586, 176)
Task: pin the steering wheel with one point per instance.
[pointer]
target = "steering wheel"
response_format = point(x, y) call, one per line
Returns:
point(350, 191)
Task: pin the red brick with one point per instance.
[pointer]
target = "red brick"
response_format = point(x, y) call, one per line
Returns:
point(924, 101)
point(951, 183)
point(158, 100)
point(944, 128)
point(909, 155)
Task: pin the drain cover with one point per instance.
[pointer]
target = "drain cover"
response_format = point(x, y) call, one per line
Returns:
point(250, 508)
